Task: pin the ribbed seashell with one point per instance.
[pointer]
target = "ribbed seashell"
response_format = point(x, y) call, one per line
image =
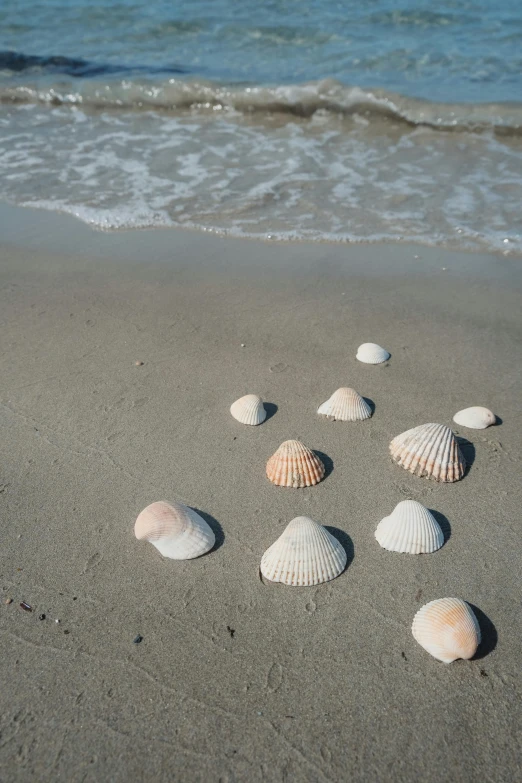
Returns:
point(410, 528)
point(430, 450)
point(371, 353)
point(294, 465)
point(177, 531)
point(346, 405)
point(447, 629)
point(305, 554)
point(475, 418)
point(249, 410)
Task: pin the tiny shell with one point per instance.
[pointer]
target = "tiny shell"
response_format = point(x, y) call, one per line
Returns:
point(294, 465)
point(430, 450)
point(410, 528)
point(448, 629)
point(305, 554)
point(346, 405)
point(176, 531)
point(371, 353)
point(475, 418)
point(249, 410)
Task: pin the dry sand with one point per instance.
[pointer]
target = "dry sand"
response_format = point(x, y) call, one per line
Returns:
point(235, 680)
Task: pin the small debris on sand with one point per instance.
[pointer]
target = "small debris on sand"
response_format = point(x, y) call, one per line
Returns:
point(138, 639)
point(26, 607)
point(41, 617)
point(231, 631)
point(8, 601)
point(138, 364)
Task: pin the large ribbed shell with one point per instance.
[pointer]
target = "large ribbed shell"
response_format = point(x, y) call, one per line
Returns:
point(177, 531)
point(346, 405)
point(294, 465)
point(371, 353)
point(410, 528)
point(447, 629)
point(430, 450)
point(305, 554)
point(475, 418)
point(249, 410)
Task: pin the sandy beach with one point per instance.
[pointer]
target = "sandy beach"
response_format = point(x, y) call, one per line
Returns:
point(236, 680)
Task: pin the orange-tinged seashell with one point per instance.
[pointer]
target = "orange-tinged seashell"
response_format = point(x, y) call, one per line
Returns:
point(430, 450)
point(176, 531)
point(447, 629)
point(294, 465)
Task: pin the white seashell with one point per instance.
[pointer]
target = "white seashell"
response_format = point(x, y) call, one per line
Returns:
point(475, 418)
point(410, 528)
point(249, 410)
point(430, 450)
point(294, 465)
point(176, 531)
point(305, 554)
point(346, 405)
point(371, 353)
point(447, 629)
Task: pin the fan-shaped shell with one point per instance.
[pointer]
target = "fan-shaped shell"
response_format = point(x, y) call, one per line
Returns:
point(346, 405)
point(430, 450)
point(177, 531)
point(476, 418)
point(249, 410)
point(410, 528)
point(294, 465)
point(371, 353)
point(305, 554)
point(447, 629)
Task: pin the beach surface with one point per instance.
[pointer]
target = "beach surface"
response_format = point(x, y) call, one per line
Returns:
point(236, 680)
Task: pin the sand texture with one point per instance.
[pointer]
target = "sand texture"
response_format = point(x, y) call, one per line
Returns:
point(236, 680)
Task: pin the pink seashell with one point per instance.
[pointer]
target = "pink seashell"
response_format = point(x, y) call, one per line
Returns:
point(176, 531)
point(294, 465)
point(447, 629)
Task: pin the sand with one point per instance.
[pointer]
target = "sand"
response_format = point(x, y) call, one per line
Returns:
point(235, 680)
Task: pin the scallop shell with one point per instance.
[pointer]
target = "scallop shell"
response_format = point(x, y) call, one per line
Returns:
point(305, 554)
point(430, 450)
point(475, 418)
point(249, 410)
point(294, 465)
point(371, 353)
point(175, 530)
point(447, 629)
point(410, 528)
point(346, 405)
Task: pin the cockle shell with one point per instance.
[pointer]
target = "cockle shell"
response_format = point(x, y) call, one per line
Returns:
point(346, 405)
point(371, 353)
point(294, 465)
point(305, 554)
point(475, 418)
point(177, 531)
point(410, 528)
point(430, 450)
point(447, 629)
point(249, 410)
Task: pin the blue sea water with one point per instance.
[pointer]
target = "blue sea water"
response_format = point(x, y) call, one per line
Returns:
point(363, 120)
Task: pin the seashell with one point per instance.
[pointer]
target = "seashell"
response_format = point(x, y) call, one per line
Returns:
point(475, 418)
point(346, 405)
point(249, 410)
point(305, 554)
point(294, 465)
point(410, 528)
point(430, 450)
point(177, 531)
point(371, 353)
point(447, 629)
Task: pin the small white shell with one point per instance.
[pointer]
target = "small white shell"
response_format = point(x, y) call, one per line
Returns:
point(294, 465)
point(249, 410)
point(305, 554)
point(410, 528)
point(176, 531)
point(371, 353)
point(447, 629)
point(346, 405)
point(475, 418)
point(430, 450)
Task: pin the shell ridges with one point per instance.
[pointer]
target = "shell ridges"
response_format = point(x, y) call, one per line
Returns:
point(429, 450)
point(176, 530)
point(249, 410)
point(294, 465)
point(345, 404)
point(371, 353)
point(411, 529)
point(448, 629)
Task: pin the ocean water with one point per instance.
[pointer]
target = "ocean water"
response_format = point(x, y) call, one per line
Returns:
point(362, 121)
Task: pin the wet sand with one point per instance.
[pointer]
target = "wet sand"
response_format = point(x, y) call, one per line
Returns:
point(235, 680)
